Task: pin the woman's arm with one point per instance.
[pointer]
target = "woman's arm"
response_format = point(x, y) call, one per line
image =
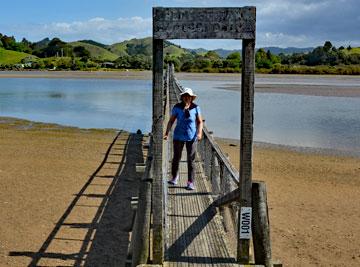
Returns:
point(199, 126)
point(169, 125)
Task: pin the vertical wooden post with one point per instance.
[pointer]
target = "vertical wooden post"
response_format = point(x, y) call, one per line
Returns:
point(247, 113)
point(142, 224)
point(261, 225)
point(214, 175)
point(157, 130)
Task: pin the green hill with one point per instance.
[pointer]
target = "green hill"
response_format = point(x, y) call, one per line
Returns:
point(12, 57)
point(354, 50)
point(41, 44)
point(144, 46)
point(132, 47)
point(94, 43)
point(175, 50)
point(96, 52)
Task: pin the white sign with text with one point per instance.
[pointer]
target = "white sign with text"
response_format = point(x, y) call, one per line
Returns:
point(245, 223)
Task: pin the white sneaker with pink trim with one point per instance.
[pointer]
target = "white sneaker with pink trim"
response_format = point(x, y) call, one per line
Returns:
point(190, 186)
point(174, 181)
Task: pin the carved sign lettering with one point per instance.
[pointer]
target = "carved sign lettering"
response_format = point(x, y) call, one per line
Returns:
point(204, 23)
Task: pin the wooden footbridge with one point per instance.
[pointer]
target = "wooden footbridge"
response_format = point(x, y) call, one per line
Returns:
point(225, 218)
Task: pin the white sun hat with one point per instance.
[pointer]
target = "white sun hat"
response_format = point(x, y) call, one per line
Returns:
point(188, 91)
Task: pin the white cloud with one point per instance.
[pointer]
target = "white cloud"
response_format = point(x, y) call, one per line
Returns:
point(279, 39)
point(279, 23)
point(99, 29)
point(287, 9)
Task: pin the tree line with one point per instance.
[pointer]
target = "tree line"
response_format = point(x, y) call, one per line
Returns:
point(326, 59)
point(55, 53)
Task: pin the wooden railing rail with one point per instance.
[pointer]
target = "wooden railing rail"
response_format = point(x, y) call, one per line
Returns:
point(140, 238)
point(167, 146)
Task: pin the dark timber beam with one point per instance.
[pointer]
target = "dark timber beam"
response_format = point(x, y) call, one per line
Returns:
point(157, 131)
point(246, 141)
point(206, 23)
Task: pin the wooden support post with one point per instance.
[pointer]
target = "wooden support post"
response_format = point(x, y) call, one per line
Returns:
point(225, 210)
point(157, 130)
point(208, 155)
point(215, 175)
point(261, 225)
point(141, 231)
point(247, 113)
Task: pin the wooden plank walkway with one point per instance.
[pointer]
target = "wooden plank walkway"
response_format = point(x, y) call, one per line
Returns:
point(195, 233)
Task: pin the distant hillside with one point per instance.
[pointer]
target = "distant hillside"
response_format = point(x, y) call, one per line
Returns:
point(96, 52)
point(133, 47)
point(41, 44)
point(172, 49)
point(94, 43)
point(200, 51)
point(12, 57)
point(354, 50)
point(143, 46)
point(274, 50)
point(224, 53)
point(288, 50)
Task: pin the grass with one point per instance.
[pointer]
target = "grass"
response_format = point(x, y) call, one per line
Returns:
point(12, 57)
point(354, 50)
point(174, 51)
point(97, 52)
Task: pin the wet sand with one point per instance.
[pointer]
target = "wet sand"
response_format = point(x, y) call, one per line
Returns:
point(325, 85)
point(313, 200)
point(121, 75)
point(65, 199)
point(46, 216)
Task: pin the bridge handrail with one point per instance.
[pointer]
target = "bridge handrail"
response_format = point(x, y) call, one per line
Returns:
point(140, 239)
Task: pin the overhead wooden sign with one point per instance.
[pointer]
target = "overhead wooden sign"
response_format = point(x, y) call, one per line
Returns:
point(204, 23)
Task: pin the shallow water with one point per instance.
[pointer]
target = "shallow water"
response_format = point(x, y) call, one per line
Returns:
point(85, 103)
point(296, 120)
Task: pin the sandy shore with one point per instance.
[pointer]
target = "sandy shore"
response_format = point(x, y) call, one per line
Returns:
point(274, 83)
point(313, 201)
point(51, 195)
point(64, 200)
point(121, 75)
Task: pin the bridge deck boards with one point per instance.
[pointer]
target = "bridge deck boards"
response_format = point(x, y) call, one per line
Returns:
point(196, 235)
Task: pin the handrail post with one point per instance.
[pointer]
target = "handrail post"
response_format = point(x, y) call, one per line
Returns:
point(214, 175)
point(141, 242)
point(207, 157)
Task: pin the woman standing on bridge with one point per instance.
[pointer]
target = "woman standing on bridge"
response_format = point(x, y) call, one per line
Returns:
point(187, 132)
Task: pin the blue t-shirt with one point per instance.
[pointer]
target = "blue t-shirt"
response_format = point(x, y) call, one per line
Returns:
point(185, 129)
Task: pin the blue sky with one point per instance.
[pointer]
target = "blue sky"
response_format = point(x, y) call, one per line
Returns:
point(282, 23)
